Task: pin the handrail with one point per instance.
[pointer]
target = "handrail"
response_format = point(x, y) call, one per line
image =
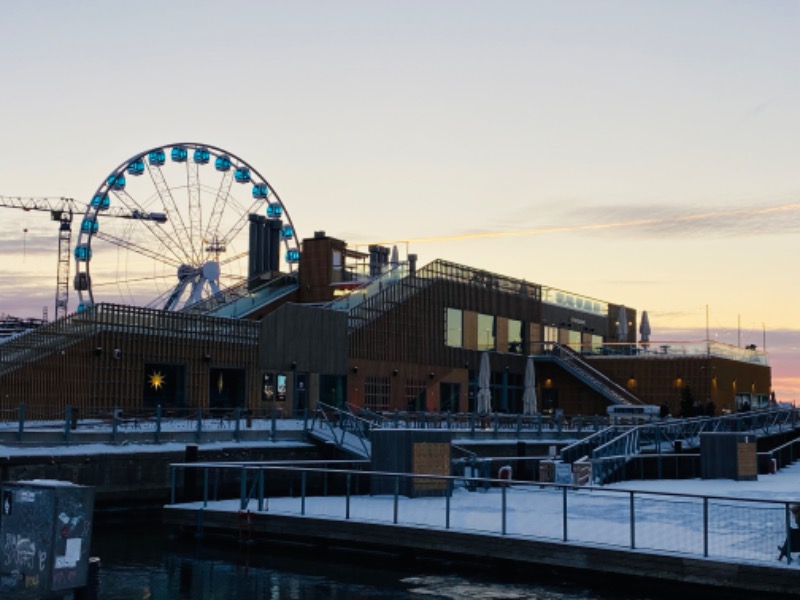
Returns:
point(572, 358)
point(236, 292)
point(558, 505)
point(585, 446)
point(343, 423)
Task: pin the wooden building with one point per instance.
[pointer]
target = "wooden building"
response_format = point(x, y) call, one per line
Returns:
point(368, 329)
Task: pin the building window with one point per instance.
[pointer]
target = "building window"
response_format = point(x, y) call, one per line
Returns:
point(454, 328)
point(515, 337)
point(415, 395)
point(376, 393)
point(336, 266)
point(486, 332)
point(574, 338)
point(550, 336)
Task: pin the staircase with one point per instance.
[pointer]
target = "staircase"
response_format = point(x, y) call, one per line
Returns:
point(46, 340)
point(573, 363)
point(238, 301)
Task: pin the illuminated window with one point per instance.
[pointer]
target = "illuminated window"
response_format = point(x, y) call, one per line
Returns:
point(515, 337)
point(486, 332)
point(454, 328)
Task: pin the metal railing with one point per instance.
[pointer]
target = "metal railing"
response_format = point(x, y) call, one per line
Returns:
point(574, 363)
point(29, 424)
point(717, 527)
point(342, 427)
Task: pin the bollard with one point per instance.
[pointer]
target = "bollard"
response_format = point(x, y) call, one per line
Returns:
point(92, 588)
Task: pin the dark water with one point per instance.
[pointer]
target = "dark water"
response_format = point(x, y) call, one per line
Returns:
point(147, 564)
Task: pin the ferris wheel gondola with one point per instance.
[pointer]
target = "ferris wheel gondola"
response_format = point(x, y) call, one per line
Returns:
point(188, 236)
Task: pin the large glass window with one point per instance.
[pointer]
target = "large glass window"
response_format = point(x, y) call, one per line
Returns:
point(486, 332)
point(454, 328)
point(574, 340)
point(550, 336)
point(515, 337)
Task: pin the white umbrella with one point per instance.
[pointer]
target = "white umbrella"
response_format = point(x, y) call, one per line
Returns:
point(484, 406)
point(529, 394)
point(622, 324)
point(644, 328)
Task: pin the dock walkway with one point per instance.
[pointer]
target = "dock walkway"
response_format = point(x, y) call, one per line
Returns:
point(718, 541)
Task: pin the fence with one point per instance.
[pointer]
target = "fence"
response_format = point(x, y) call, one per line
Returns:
point(718, 527)
point(158, 425)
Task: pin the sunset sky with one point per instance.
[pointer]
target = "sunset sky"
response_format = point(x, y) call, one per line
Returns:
point(645, 153)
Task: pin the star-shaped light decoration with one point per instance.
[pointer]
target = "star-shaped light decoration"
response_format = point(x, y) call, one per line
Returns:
point(157, 380)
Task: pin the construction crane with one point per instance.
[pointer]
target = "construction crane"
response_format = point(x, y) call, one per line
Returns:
point(61, 210)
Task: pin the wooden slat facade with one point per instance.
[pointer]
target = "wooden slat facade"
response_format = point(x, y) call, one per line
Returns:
point(95, 360)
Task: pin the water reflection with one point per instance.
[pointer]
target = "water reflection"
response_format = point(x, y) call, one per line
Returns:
point(147, 565)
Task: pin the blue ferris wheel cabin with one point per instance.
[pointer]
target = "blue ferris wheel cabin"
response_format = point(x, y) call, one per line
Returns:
point(260, 191)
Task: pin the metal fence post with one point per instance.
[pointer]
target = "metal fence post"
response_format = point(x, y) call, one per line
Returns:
point(260, 490)
point(396, 496)
point(67, 423)
point(199, 430)
point(21, 422)
point(237, 414)
point(114, 425)
point(158, 424)
point(347, 498)
point(447, 509)
point(174, 479)
point(243, 489)
point(505, 505)
point(633, 523)
point(303, 492)
point(305, 421)
point(705, 527)
point(273, 424)
point(205, 486)
point(564, 511)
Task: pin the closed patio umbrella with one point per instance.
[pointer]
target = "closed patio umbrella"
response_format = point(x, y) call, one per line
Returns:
point(484, 404)
point(622, 324)
point(529, 393)
point(644, 328)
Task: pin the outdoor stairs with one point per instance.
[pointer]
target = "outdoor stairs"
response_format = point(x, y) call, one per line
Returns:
point(45, 341)
point(573, 363)
point(346, 430)
point(610, 449)
point(379, 295)
point(242, 299)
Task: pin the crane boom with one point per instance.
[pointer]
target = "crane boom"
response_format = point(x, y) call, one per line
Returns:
point(61, 210)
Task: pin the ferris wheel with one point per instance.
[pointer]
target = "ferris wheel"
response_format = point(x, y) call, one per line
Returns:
point(190, 234)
